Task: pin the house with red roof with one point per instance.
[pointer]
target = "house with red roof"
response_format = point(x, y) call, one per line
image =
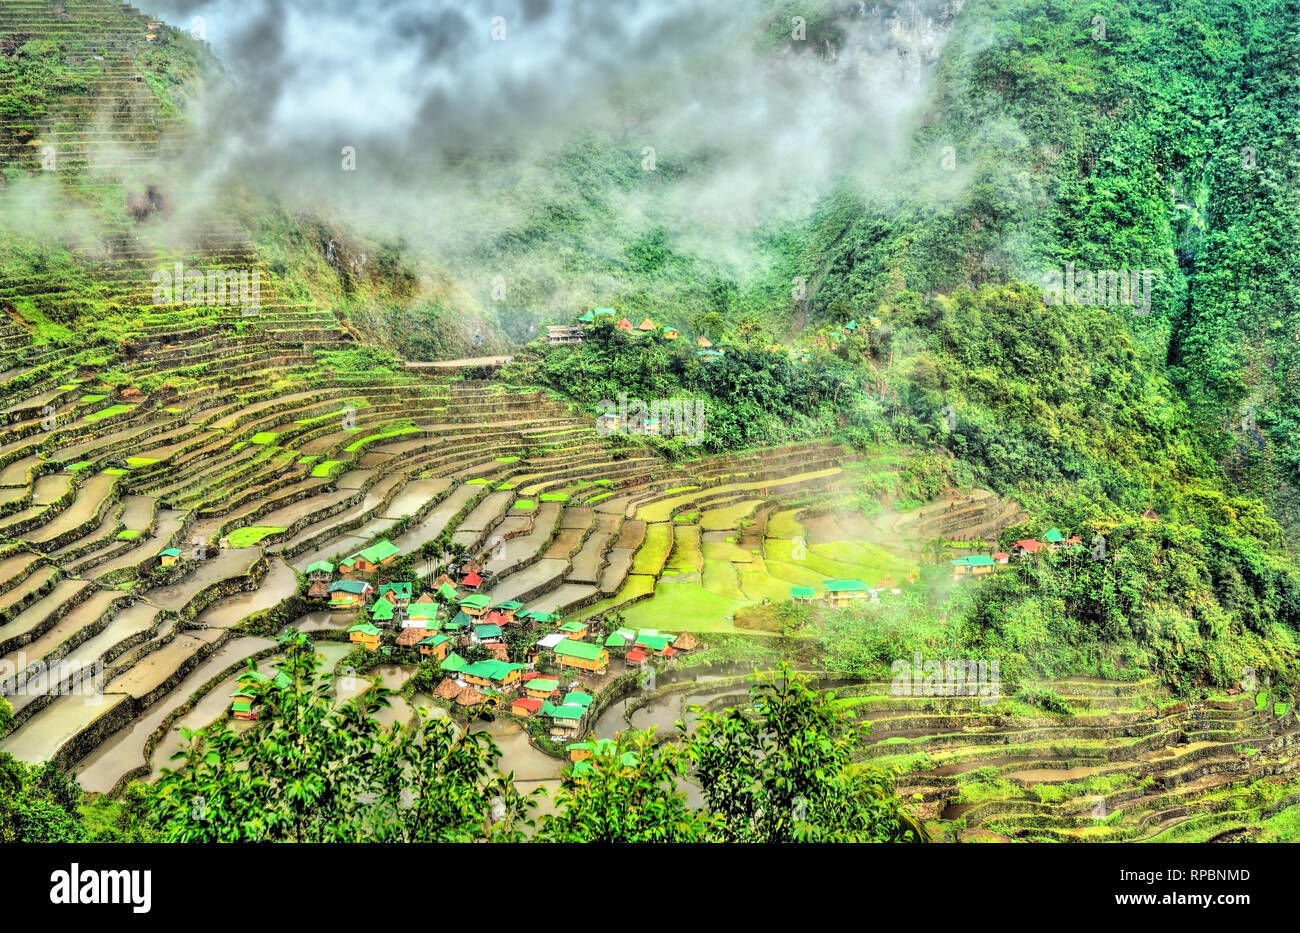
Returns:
point(526, 706)
point(1026, 546)
point(624, 324)
point(635, 657)
point(471, 580)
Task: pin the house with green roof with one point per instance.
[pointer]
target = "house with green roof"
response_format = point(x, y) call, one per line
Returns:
point(448, 592)
point(370, 559)
point(661, 645)
point(421, 613)
point(487, 632)
point(458, 622)
point(508, 610)
point(320, 570)
point(1054, 537)
point(401, 593)
point(577, 698)
point(537, 616)
point(491, 673)
point(843, 592)
point(382, 611)
point(620, 638)
point(541, 687)
point(583, 655)
point(476, 604)
point(802, 594)
point(574, 629)
point(453, 663)
point(365, 634)
point(170, 556)
point(349, 594)
point(564, 719)
point(434, 646)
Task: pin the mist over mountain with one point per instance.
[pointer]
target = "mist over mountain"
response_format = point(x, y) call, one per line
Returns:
point(699, 124)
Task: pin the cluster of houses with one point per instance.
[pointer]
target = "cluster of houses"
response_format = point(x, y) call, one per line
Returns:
point(450, 615)
point(574, 647)
point(576, 333)
point(841, 593)
point(975, 565)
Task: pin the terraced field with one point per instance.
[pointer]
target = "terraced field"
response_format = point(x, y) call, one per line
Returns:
point(1130, 764)
point(238, 436)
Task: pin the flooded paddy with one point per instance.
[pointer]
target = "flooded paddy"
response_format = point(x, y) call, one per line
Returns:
point(50, 487)
point(72, 622)
point(544, 571)
point(416, 495)
point(124, 749)
point(437, 519)
point(41, 737)
point(15, 596)
point(89, 500)
point(278, 585)
point(587, 562)
point(228, 563)
point(36, 615)
point(486, 513)
point(149, 673)
point(562, 597)
point(168, 522)
point(15, 474)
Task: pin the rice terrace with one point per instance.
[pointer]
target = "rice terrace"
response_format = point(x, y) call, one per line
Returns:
point(518, 448)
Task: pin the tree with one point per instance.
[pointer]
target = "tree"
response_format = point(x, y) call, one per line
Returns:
point(313, 769)
point(39, 804)
point(780, 771)
point(628, 792)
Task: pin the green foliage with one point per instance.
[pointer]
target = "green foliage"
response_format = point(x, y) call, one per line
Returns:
point(627, 793)
point(778, 771)
point(41, 804)
point(316, 770)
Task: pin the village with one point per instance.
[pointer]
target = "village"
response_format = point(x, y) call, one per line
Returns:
point(530, 662)
point(561, 667)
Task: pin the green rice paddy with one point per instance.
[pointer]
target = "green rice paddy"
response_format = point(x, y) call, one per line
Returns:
point(247, 537)
point(395, 431)
point(109, 412)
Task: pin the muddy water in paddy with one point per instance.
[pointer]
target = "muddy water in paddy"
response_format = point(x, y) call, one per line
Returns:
point(279, 584)
point(124, 749)
point(437, 520)
point(49, 487)
point(45, 733)
point(167, 523)
point(1037, 775)
point(323, 621)
point(517, 754)
point(415, 495)
point(84, 507)
point(71, 623)
point(228, 563)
